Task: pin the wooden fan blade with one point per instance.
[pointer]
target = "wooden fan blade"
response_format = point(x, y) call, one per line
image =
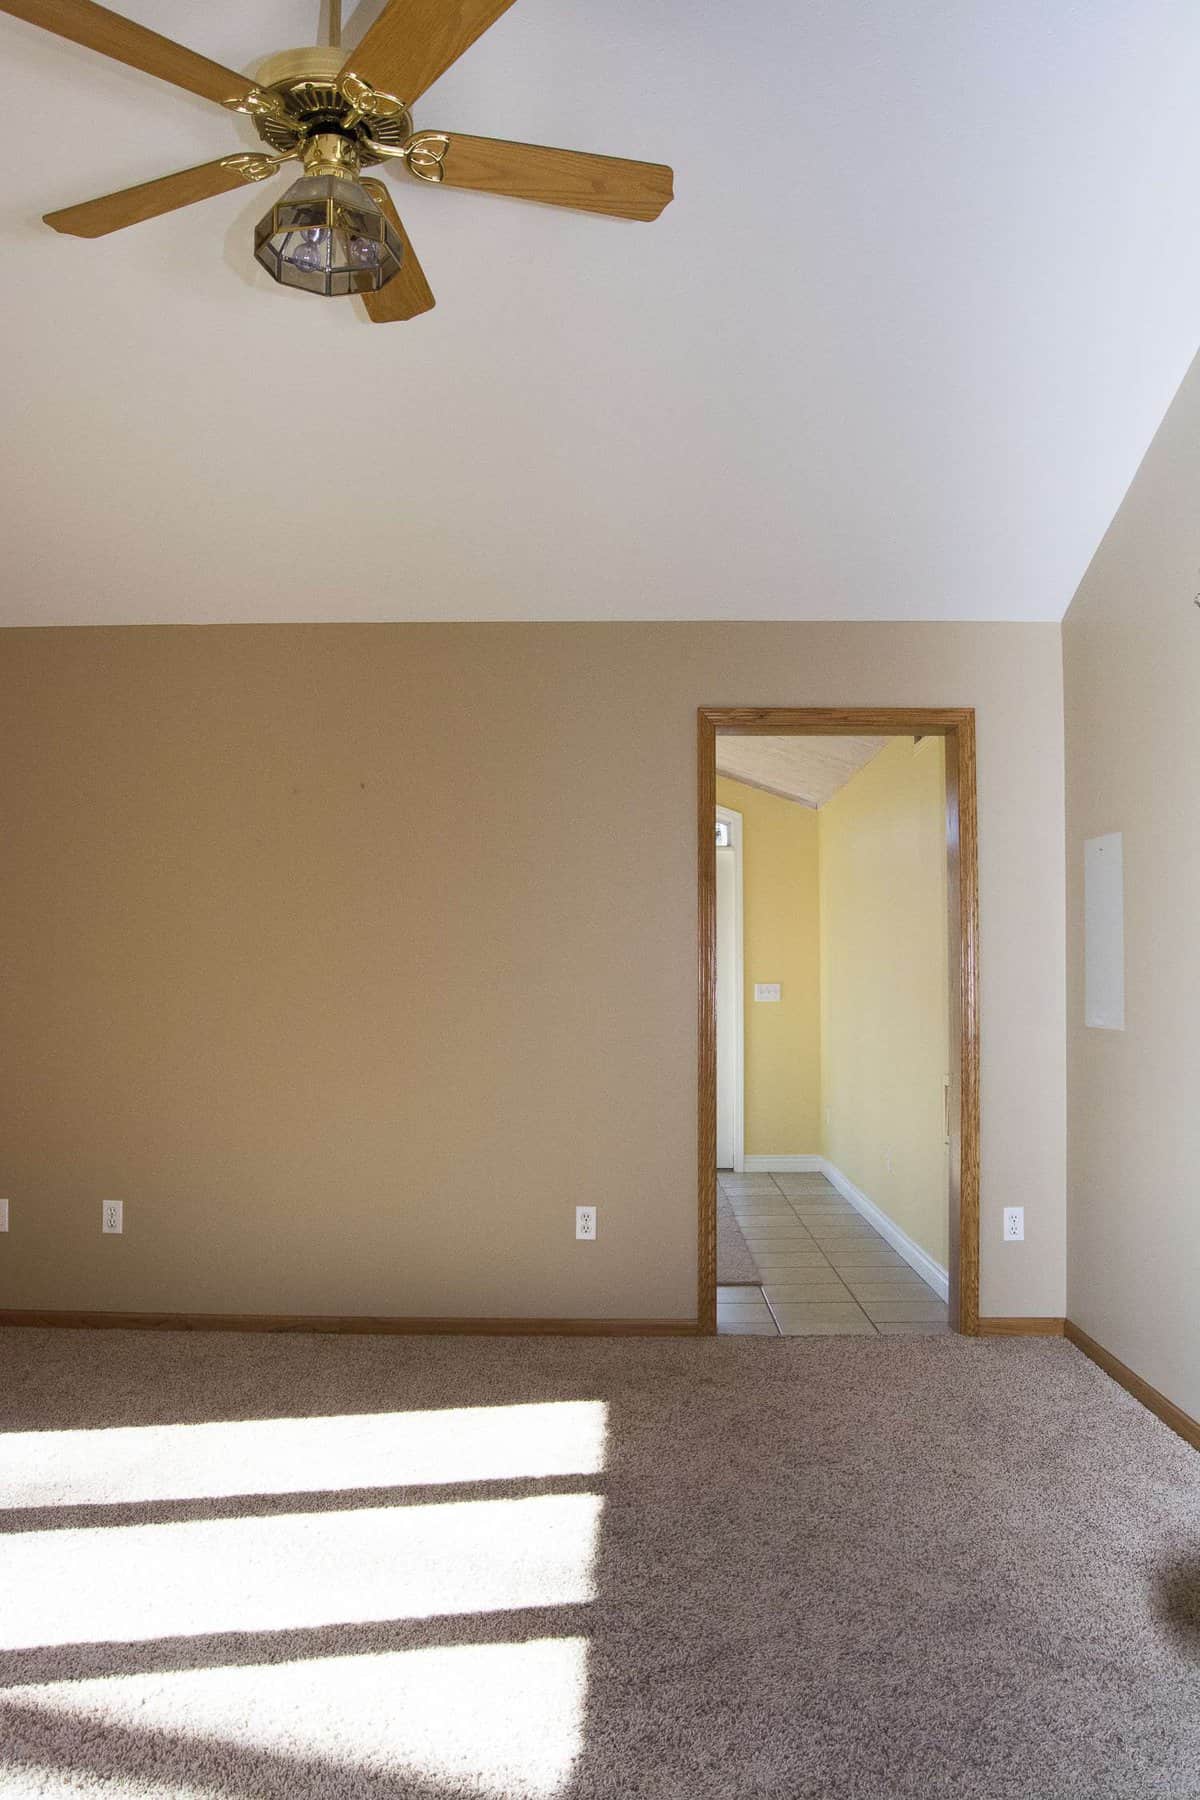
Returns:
point(123, 40)
point(96, 218)
point(412, 42)
point(601, 184)
point(408, 293)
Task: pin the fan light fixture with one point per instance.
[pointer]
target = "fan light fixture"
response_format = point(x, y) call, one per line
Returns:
point(326, 235)
point(337, 231)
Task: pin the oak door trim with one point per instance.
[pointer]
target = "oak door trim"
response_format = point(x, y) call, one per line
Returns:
point(957, 726)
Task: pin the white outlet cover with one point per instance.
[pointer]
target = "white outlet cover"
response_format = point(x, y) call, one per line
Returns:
point(585, 1224)
point(1014, 1224)
point(112, 1216)
point(3, 1215)
point(768, 990)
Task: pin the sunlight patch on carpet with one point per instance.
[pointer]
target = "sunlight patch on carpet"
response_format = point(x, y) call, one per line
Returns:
point(286, 1456)
point(497, 1718)
point(296, 1570)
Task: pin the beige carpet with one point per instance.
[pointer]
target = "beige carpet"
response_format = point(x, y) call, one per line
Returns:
point(841, 1569)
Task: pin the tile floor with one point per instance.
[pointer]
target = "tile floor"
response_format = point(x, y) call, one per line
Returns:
point(824, 1271)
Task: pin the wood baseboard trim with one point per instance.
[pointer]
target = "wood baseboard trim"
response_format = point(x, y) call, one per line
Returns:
point(1022, 1327)
point(350, 1326)
point(1174, 1416)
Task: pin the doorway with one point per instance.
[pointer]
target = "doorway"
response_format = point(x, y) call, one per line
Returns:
point(956, 730)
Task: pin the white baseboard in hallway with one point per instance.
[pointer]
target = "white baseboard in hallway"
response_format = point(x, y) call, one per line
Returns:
point(916, 1258)
point(930, 1271)
point(784, 1165)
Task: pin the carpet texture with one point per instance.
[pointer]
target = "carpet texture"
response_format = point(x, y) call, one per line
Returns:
point(734, 1261)
point(822, 1569)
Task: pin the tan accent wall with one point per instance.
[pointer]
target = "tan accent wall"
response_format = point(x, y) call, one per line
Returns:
point(781, 932)
point(353, 958)
point(1132, 674)
point(885, 1002)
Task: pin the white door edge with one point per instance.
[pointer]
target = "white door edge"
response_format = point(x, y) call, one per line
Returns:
point(727, 816)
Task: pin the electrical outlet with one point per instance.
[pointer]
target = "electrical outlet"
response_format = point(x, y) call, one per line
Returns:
point(1014, 1224)
point(585, 1223)
point(112, 1216)
point(3, 1215)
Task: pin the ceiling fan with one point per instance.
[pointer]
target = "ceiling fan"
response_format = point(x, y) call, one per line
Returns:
point(333, 233)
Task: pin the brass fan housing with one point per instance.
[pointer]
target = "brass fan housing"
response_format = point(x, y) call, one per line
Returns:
point(305, 82)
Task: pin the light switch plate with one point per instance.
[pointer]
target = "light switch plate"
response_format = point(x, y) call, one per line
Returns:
point(3, 1215)
point(768, 990)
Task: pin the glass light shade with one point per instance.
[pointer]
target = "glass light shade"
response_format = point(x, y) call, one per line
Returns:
point(327, 236)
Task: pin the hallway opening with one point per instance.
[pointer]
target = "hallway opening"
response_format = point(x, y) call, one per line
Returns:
point(817, 1267)
point(838, 1081)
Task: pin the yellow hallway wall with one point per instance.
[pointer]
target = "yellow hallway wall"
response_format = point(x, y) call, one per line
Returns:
point(885, 985)
point(781, 942)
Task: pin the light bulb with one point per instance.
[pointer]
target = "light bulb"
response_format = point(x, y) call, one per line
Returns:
point(308, 255)
point(365, 252)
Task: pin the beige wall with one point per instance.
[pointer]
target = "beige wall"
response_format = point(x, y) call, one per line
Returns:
point(780, 942)
point(1132, 673)
point(885, 999)
point(352, 958)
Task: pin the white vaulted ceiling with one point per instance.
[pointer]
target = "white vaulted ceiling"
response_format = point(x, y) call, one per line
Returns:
point(807, 769)
point(929, 282)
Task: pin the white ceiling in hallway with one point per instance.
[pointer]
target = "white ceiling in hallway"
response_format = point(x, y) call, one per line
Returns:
point(807, 769)
point(926, 290)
